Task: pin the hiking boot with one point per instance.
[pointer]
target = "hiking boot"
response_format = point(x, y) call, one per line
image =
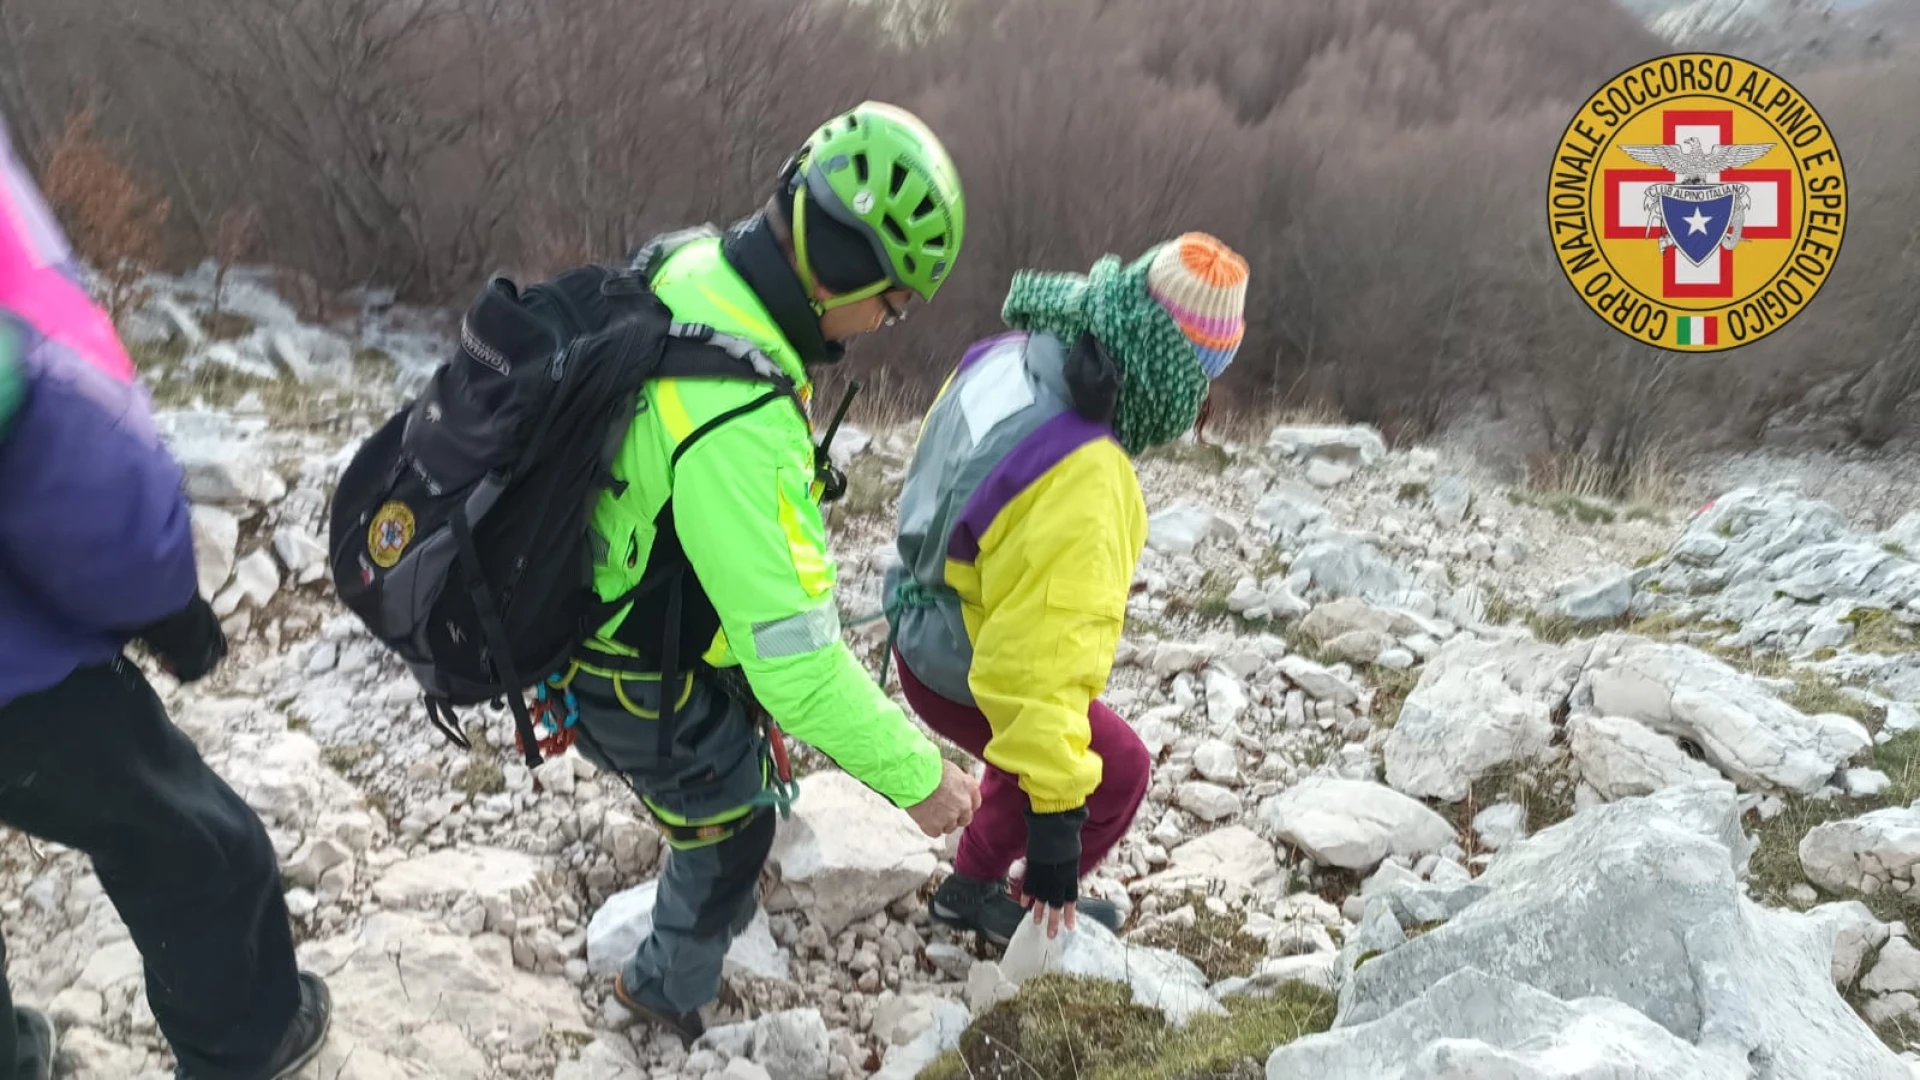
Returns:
point(305, 1036)
point(33, 1044)
point(986, 908)
point(688, 1026)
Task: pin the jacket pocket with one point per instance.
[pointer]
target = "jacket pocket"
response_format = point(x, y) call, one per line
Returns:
point(1084, 619)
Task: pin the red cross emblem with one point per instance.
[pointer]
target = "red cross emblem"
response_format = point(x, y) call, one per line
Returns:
point(1769, 218)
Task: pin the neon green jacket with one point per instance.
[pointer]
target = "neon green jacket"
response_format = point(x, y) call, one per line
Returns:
point(745, 515)
point(1021, 523)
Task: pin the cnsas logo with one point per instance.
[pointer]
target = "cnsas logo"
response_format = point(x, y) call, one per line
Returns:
point(1697, 202)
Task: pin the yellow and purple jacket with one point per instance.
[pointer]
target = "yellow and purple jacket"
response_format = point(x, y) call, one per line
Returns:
point(1021, 522)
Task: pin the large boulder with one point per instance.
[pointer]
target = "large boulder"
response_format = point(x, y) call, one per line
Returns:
point(1474, 1025)
point(1743, 730)
point(1637, 901)
point(847, 853)
point(1482, 704)
point(1353, 823)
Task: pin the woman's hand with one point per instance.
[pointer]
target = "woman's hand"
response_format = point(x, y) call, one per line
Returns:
point(1052, 883)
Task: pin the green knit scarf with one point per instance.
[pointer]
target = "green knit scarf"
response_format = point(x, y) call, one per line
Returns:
point(1162, 384)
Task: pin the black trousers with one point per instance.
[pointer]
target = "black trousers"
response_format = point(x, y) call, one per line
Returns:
point(95, 764)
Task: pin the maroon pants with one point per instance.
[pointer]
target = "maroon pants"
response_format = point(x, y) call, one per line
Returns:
point(998, 834)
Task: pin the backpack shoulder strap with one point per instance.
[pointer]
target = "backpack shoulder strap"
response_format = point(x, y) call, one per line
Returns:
point(695, 350)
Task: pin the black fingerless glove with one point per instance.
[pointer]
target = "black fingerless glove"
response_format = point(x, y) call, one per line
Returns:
point(189, 642)
point(1053, 857)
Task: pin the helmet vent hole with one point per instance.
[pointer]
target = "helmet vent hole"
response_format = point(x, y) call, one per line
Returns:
point(925, 208)
point(892, 225)
point(899, 179)
point(913, 265)
point(860, 167)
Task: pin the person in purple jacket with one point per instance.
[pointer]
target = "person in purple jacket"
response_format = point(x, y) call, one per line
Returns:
point(95, 553)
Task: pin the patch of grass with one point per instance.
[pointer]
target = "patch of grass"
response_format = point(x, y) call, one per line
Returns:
point(1501, 609)
point(228, 326)
point(1775, 866)
point(1391, 687)
point(1875, 630)
point(1209, 600)
point(1147, 624)
point(1564, 505)
point(1210, 458)
point(1412, 491)
point(155, 360)
point(1272, 564)
point(374, 366)
point(1643, 512)
point(297, 723)
point(379, 803)
point(1648, 559)
point(1218, 943)
point(1659, 625)
point(1072, 1028)
point(1546, 798)
point(1895, 549)
point(344, 757)
point(482, 774)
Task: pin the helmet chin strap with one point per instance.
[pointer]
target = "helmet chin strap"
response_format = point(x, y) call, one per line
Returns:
point(803, 262)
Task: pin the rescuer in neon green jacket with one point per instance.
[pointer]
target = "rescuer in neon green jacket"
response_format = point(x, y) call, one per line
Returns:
point(868, 215)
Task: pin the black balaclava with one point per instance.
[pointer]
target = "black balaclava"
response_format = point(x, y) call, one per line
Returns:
point(841, 257)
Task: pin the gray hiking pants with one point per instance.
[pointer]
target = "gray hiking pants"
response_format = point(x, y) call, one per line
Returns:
point(712, 767)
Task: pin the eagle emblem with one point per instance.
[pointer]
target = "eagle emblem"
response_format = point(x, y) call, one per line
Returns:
point(1690, 213)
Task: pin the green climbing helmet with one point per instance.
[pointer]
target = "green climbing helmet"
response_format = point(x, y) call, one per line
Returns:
point(879, 169)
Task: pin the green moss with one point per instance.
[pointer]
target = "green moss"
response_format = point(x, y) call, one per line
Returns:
point(1412, 491)
point(1891, 548)
point(1071, 1028)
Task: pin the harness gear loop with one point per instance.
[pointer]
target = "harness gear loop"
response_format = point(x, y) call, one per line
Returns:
point(561, 732)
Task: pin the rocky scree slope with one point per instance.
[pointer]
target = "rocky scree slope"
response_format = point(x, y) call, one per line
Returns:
point(1446, 785)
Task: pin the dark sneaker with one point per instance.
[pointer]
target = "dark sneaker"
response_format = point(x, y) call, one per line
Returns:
point(308, 1033)
point(986, 908)
point(983, 907)
point(312, 1019)
point(1104, 912)
point(33, 1045)
point(688, 1026)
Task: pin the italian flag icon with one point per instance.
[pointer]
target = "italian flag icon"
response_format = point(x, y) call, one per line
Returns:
point(1698, 329)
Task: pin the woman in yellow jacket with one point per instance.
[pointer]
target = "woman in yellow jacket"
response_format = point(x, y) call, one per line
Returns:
point(1020, 525)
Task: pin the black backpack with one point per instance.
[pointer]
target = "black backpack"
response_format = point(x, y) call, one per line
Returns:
point(459, 533)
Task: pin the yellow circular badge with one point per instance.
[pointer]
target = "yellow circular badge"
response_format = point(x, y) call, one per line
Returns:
point(1697, 202)
point(389, 534)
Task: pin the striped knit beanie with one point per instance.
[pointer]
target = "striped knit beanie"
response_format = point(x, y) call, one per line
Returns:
point(1203, 284)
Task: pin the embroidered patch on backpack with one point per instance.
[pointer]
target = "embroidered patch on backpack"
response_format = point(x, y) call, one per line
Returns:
point(389, 534)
